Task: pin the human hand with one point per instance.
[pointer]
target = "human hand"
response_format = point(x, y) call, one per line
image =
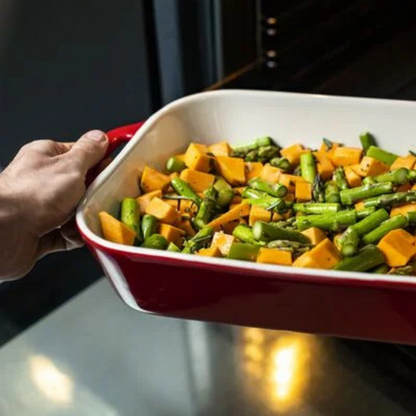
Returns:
point(39, 192)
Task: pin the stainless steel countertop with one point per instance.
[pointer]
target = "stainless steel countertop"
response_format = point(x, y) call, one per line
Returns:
point(95, 356)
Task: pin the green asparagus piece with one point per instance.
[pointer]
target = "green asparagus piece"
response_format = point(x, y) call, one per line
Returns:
point(262, 141)
point(411, 217)
point(382, 269)
point(328, 144)
point(266, 153)
point(367, 258)
point(397, 177)
point(318, 189)
point(251, 156)
point(149, 225)
point(390, 200)
point(369, 180)
point(332, 192)
point(293, 246)
point(225, 192)
point(351, 196)
point(349, 242)
point(381, 155)
point(398, 221)
point(130, 216)
point(317, 207)
point(243, 251)
point(264, 200)
point(198, 240)
point(182, 188)
point(264, 231)
point(175, 165)
point(308, 166)
point(340, 179)
point(245, 234)
point(362, 213)
point(334, 222)
point(281, 163)
point(277, 190)
point(156, 241)
point(173, 247)
point(367, 140)
point(412, 175)
point(408, 270)
point(207, 208)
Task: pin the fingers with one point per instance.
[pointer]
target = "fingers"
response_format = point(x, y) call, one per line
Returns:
point(89, 150)
point(46, 147)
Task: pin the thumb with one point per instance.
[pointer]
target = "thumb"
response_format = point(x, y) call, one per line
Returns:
point(89, 149)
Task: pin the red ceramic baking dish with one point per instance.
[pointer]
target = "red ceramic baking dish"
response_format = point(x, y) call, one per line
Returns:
point(346, 304)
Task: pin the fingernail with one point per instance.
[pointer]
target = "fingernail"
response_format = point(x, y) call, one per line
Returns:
point(97, 136)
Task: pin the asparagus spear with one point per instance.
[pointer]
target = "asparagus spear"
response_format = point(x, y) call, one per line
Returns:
point(175, 165)
point(340, 179)
point(331, 192)
point(251, 156)
point(268, 152)
point(369, 180)
point(245, 234)
point(367, 140)
point(366, 259)
point(130, 216)
point(362, 213)
point(382, 269)
point(207, 208)
point(412, 175)
point(281, 163)
point(277, 190)
point(156, 241)
point(334, 222)
point(328, 144)
point(243, 251)
point(262, 141)
point(349, 242)
point(351, 196)
point(308, 166)
point(408, 270)
point(173, 247)
point(317, 207)
point(149, 224)
point(198, 240)
point(225, 192)
point(263, 200)
point(411, 217)
point(182, 188)
point(389, 200)
point(318, 190)
point(293, 246)
point(381, 155)
point(267, 232)
point(396, 177)
point(398, 221)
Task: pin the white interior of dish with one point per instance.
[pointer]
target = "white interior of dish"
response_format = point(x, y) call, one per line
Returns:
point(238, 117)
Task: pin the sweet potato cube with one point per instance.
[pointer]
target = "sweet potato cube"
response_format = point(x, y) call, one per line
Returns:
point(273, 256)
point(241, 210)
point(153, 180)
point(325, 254)
point(144, 200)
point(232, 169)
point(198, 181)
point(316, 235)
point(346, 156)
point(162, 211)
point(186, 226)
point(353, 179)
point(303, 191)
point(270, 174)
point(398, 247)
point(172, 234)
point(290, 181)
point(181, 157)
point(325, 166)
point(253, 170)
point(115, 231)
point(371, 167)
point(402, 209)
point(359, 206)
point(223, 242)
point(228, 227)
point(356, 168)
point(292, 153)
point(307, 261)
point(404, 162)
point(188, 208)
point(324, 148)
point(209, 252)
point(196, 157)
point(220, 149)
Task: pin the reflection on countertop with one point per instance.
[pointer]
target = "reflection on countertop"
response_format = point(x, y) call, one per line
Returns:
point(95, 356)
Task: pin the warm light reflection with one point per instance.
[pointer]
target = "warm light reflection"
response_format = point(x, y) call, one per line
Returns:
point(55, 385)
point(279, 364)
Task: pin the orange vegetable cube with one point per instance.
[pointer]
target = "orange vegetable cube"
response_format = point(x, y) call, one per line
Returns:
point(198, 181)
point(273, 256)
point(324, 148)
point(232, 169)
point(371, 167)
point(186, 227)
point(398, 247)
point(236, 201)
point(242, 210)
point(356, 168)
point(188, 208)
point(172, 202)
point(260, 214)
point(359, 206)
point(209, 252)
point(228, 227)
point(162, 211)
point(181, 157)
point(196, 157)
point(290, 181)
point(404, 162)
point(325, 255)
point(152, 180)
point(353, 179)
point(220, 149)
point(292, 153)
point(402, 209)
point(144, 200)
point(346, 156)
point(306, 261)
point(253, 170)
point(172, 234)
point(325, 166)
point(223, 242)
point(303, 191)
point(115, 231)
point(270, 174)
point(316, 235)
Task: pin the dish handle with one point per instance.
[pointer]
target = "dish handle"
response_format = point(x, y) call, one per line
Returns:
point(116, 138)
